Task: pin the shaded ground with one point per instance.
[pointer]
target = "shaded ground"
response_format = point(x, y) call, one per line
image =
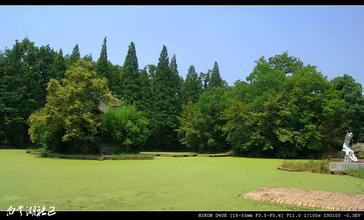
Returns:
point(309, 198)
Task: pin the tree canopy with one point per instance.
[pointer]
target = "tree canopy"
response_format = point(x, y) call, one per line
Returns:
point(284, 108)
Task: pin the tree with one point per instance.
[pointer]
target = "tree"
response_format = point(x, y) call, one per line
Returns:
point(192, 87)
point(244, 130)
point(75, 55)
point(102, 65)
point(265, 82)
point(278, 115)
point(166, 103)
point(349, 92)
point(178, 82)
point(88, 57)
point(26, 70)
point(73, 104)
point(215, 78)
point(125, 126)
point(285, 63)
point(60, 65)
point(201, 125)
point(131, 78)
point(205, 78)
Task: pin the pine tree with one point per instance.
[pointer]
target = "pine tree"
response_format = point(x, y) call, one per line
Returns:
point(192, 86)
point(178, 81)
point(75, 56)
point(205, 78)
point(131, 82)
point(60, 65)
point(165, 106)
point(215, 78)
point(102, 67)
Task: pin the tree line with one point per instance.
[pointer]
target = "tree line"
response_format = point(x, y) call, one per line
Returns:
point(284, 108)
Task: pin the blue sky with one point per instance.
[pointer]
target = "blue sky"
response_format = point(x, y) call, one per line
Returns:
point(329, 37)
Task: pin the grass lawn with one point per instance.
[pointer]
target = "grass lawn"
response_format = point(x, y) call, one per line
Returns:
point(169, 153)
point(165, 183)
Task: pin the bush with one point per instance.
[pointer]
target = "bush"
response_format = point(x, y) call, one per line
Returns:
point(310, 166)
point(45, 133)
point(125, 126)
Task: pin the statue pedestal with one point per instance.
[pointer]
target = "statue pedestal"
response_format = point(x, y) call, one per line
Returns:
point(340, 166)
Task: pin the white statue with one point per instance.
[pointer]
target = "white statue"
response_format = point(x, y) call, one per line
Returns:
point(349, 153)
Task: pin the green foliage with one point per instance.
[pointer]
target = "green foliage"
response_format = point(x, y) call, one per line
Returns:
point(351, 97)
point(25, 71)
point(277, 115)
point(192, 87)
point(70, 116)
point(126, 126)
point(205, 78)
point(201, 124)
point(131, 82)
point(75, 56)
point(245, 130)
point(285, 63)
point(75, 100)
point(215, 79)
point(283, 109)
point(165, 88)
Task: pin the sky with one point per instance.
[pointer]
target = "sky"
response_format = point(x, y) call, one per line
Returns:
point(329, 37)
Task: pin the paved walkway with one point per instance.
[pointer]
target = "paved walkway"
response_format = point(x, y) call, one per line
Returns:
point(309, 198)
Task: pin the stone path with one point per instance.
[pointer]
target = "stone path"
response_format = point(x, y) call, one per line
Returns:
point(309, 198)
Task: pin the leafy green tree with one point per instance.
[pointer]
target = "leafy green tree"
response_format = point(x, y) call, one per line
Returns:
point(73, 103)
point(201, 126)
point(265, 82)
point(192, 87)
point(280, 116)
point(244, 130)
point(26, 70)
point(126, 126)
point(285, 63)
point(350, 92)
point(188, 133)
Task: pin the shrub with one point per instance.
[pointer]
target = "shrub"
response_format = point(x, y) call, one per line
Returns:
point(310, 166)
point(125, 126)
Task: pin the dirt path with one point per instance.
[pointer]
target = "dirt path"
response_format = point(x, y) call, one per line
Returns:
point(309, 198)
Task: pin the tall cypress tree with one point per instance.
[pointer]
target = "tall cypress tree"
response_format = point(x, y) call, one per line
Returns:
point(192, 86)
point(205, 78)
point(75, 56)
point(165, 106)
point(131, 78)
point(102, 67)
point(178, 82)
point(215, 78)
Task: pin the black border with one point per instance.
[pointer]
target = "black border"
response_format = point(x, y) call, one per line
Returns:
point(193, 215)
